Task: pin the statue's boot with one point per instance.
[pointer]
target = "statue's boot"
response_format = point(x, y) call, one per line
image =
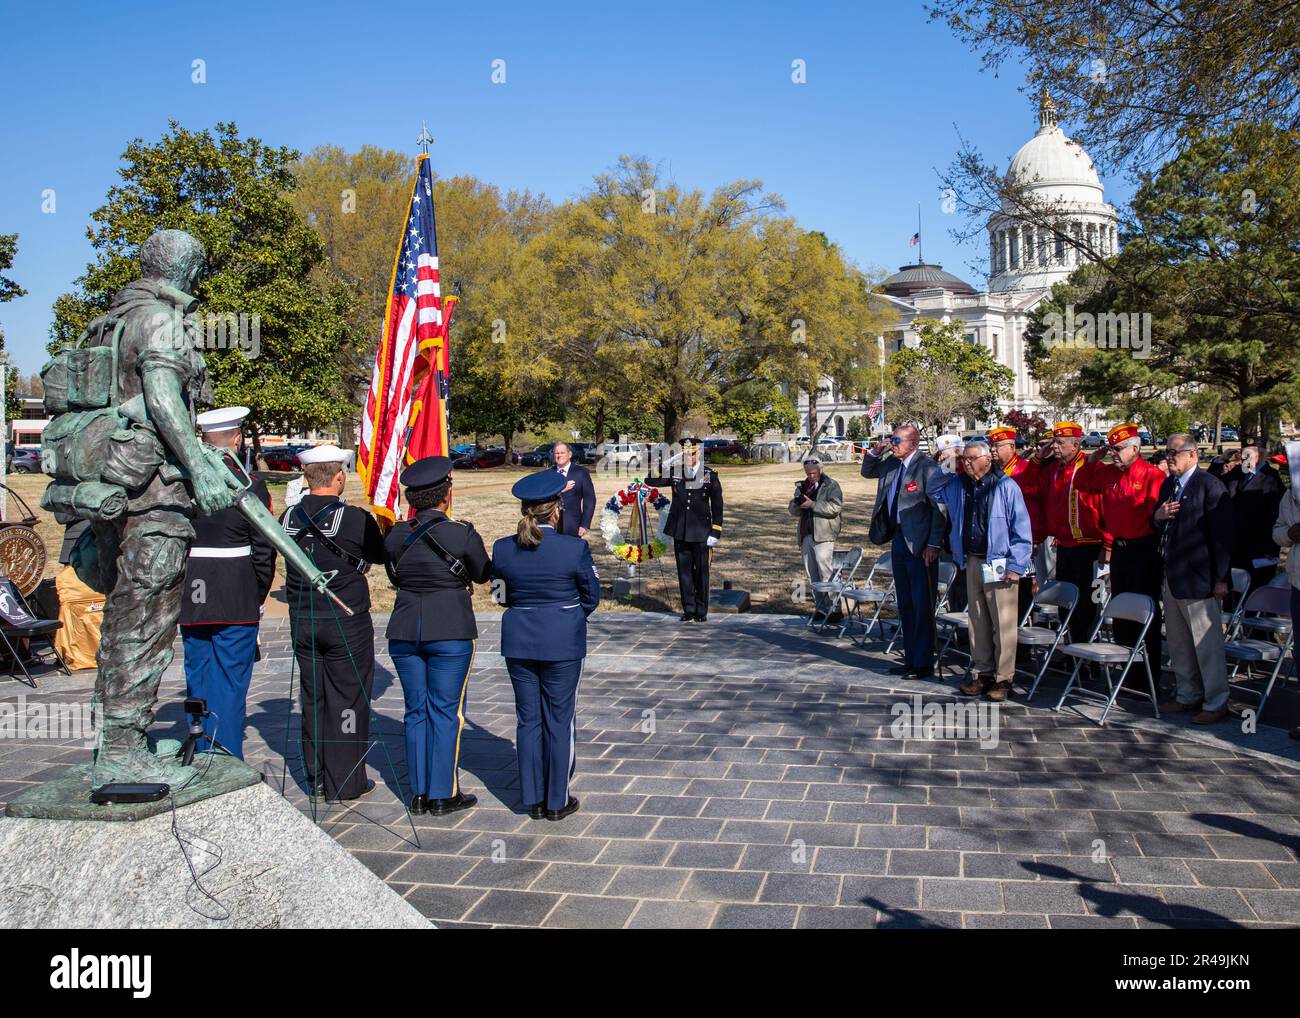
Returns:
point(124, 756)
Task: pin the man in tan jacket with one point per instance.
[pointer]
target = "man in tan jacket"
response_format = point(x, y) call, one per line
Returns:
point(1286, 534)
point(817, 503)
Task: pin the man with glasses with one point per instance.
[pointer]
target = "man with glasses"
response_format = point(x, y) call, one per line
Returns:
point(1002, 440)
point(1129, 489)
point(1193, 524)
point(912, 524)
point(817, 504)
point(990, 538)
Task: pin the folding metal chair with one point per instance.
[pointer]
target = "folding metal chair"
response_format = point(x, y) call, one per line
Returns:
point(844, 564)
point(1131, 608)
point(19, 622)
point(879, 591)
point(947, 573)
point(1062, 598)
point(1240, 588)
point(1270, 604)
point(1281, 581)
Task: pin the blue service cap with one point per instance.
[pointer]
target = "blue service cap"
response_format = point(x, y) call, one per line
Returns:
point(424, 473)
point(539, 487)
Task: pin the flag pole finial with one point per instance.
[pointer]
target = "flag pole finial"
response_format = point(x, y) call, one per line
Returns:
point(425, 139)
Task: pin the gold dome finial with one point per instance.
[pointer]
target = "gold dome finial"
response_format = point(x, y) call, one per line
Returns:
point(1046, 109)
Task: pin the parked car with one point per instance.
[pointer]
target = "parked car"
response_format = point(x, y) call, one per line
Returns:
point(1228, 434)
point(723, 447)
point(26, 459)
point(1094, 440)
point(493, 456)
point(585, 453)
point(628, 455)
point(539, 457)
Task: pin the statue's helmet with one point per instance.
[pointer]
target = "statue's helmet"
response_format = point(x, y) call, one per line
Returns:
point(173, 255)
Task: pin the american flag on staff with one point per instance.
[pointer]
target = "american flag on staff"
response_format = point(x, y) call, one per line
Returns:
point(406, 408)
point(875, 409)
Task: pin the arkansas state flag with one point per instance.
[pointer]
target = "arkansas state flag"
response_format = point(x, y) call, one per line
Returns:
point(406, 404)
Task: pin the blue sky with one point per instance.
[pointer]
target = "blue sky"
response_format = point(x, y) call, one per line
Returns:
point(703, 88)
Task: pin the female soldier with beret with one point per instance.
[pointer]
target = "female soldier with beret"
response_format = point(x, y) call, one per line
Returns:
point(550, 587)
point(433, 561)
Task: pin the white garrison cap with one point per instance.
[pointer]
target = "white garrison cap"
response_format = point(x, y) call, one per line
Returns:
point(945, 442)
point(223, 419)
point(323, 454)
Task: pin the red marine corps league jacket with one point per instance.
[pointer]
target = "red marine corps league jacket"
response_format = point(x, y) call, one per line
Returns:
point(1073, 515)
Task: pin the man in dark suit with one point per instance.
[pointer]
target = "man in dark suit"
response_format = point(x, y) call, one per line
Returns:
point(1194, 525)
point(1256, 492)
point(913, 525)
point(694, 524)
point(579, 495)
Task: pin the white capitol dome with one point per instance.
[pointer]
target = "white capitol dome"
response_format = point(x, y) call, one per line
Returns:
point(1056, 175)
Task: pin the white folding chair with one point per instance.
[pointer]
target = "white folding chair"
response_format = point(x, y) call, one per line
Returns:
point(1062, 598)
point(1131, 608)
point(1240, 588)
point(829, 592)
point(1269, 604)
point(947, 574)
point(879, 591)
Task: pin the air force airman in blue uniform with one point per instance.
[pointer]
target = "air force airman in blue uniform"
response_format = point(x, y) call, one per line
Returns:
point(550, 587)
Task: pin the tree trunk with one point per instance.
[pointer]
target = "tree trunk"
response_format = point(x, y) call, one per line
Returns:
point(672, 425)
point(598, 424)
point(1218, 424)
point(812, 414)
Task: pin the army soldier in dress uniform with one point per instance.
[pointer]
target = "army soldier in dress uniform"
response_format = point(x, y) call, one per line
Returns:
point(434, 561)
point(695, 525)
point(229, 573)
point(335, 652)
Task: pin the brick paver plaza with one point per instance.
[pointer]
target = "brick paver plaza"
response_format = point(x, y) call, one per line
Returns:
point(749, 773)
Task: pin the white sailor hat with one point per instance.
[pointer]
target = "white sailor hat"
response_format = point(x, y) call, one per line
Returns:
point(323, 454)
point(945, 442)
point(223, 419)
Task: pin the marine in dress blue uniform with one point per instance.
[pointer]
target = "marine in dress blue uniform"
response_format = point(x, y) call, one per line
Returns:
point(550, 586)
point(695, 525)
point(228, 574)
point(335, 652)
point(434, 561)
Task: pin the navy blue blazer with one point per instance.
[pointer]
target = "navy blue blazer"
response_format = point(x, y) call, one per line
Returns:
point(549, 592)
point(579, 502)
point(1197, 543)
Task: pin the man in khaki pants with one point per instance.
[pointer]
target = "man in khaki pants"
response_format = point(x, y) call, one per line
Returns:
point(817, 503)
point(990, 536)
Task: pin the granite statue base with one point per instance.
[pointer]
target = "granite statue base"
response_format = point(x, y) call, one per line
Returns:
point(264, 864)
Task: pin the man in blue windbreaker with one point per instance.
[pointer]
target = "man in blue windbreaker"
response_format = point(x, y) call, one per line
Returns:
point(990, 538)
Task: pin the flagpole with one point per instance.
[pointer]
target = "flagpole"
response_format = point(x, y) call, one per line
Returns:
point(880, 339)
point(920, 243)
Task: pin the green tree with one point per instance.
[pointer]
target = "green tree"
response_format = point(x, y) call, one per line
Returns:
point(1216, 266)
point(944, 377)
point(232, 194)
point(8, 291)
point(753, 408)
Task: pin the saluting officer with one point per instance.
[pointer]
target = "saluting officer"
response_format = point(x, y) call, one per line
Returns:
point(229, 573)
point(550, 587)
point(695, 525)
point(335, 652)
point(434, 561)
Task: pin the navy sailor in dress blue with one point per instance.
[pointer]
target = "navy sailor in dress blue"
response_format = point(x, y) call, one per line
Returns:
point(550, 586)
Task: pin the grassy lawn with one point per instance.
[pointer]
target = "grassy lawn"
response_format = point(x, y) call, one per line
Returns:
point(757, 552)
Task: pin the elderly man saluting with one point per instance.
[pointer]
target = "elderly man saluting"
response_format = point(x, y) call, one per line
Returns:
point(913, 525)
point(818, 502)
point(991, 539)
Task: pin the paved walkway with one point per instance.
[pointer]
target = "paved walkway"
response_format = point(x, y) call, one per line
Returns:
point(747, 773)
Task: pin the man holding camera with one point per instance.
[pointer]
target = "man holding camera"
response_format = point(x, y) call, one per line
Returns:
point(817, 504)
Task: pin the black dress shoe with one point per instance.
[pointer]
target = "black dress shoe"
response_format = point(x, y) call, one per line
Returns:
point(419, 805)
point(316, 790)
point(370, 787)
point(919, 673)
point(538, 811)
point(701, 618)
point(458, 802)
point(902, 669)
point(560, 814)
point(688, 618)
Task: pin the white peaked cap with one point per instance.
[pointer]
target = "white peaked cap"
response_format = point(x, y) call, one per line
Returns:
point(222, 419)
point(945, 442)
point(323, 454)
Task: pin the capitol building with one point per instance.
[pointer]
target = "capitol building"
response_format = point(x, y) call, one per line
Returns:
point(1051, 172)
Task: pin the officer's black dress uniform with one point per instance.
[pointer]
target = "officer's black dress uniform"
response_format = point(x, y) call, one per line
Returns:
point(695, 516)
point(229, 572)
point(335, 652)
point(431, 638)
